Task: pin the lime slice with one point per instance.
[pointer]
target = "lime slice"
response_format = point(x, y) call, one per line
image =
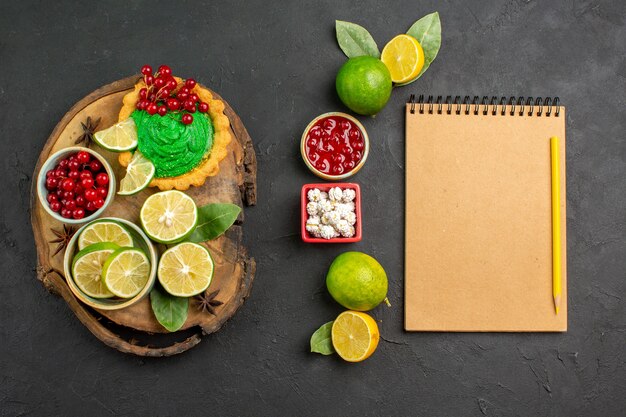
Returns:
point(87, 269)
point(104, 231)
point(139, 173)
point(118, 138)
point(126, 272)
point(168, 216)
point(186, 269)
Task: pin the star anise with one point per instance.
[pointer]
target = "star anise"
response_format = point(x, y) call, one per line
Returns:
point(63, 237)
point(207, 302)
point(89, 128)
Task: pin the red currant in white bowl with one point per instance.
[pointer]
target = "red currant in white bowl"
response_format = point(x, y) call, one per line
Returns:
point(75, 185)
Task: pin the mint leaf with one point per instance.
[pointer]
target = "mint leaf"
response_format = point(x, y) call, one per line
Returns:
point(427, 31)
point(355, 40)
point(170, 311)
point(321, 340)
point(213, 220)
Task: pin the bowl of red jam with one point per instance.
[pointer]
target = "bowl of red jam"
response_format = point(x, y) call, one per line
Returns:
point(334, 146)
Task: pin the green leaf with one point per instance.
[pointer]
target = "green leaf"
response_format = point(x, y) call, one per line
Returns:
point(213, 220)
point(170, 311)
point(321, 341)
point(427, 31)
point(355, 40)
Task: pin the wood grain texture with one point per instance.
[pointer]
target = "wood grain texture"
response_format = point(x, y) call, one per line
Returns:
point(234, 269)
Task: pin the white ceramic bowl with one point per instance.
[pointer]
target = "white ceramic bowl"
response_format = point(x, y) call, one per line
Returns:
point(51, 162)
point(141, 241)
point(366, 148)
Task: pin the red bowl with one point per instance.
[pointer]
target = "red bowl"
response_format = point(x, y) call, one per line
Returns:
point(307, 237)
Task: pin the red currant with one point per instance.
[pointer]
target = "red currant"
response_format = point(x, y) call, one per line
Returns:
point(82, 157)
point(55, 206)
point(52, 197)
point(182, 96)
point(78, 189)
point(51, 183)
point(148, 79)
point(78, 213)
point(173, 104)
point(162, 110)
point(190, 83)
point(66, 213)
point(90, 206)
point(63, 164)
point(69, 204)
point(50, 174)
point(152, 108)
point(102, 192)
point(67, 184)
point(159, 82)
point(73, 174)
point(91, 195)
point(187, 119)
point(194, 97)
point(98, 203)
point(203, 107)
point(60, 173)
point(165, 70)
point(68, 195)
point(143, 93)
point(172, 84)
point(80, 200)
point(146, 70)
point(86, 174)
point(86, 183)
point(190, 106)
point(164, 92)
point(102, 179)
point(151, 97)
point(95, 165)
point(142, 104)
point(185, 90)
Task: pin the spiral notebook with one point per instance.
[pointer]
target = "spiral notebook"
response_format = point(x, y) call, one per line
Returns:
point(478, 254)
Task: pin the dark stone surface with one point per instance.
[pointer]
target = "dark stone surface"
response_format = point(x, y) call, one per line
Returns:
point(276, 66)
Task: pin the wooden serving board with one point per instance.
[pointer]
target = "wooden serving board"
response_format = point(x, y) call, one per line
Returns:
point(234, 269)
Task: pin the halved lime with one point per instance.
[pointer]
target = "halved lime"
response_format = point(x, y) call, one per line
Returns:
point(139, 173)
point(126, 272)
point(104, 231)
point(118, 138)
point(168, 216)
point(87, 269)
point(186, 269)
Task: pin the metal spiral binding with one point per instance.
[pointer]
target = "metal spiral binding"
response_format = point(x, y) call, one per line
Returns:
point(535, 106)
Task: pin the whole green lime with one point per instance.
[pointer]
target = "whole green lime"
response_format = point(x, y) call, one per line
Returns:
point(364, 85)
point(357, 281)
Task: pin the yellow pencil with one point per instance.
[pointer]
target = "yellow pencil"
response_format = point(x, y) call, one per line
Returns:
point(556, 223)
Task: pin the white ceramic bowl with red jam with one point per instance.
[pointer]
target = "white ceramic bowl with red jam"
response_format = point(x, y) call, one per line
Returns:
point(79, 200)
point(334, 146)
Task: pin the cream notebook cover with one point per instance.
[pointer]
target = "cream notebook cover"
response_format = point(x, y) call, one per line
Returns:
point(478, 253)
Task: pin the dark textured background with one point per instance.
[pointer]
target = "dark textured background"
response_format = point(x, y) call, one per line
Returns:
point(276, 64)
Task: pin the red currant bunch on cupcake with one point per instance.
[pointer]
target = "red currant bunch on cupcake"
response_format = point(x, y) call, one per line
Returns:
point(77, 186)
point(163, 94)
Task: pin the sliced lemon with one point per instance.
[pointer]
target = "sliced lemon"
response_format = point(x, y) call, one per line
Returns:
point(168, 216)
point(104, 231)
point(186, 269)
point(404, 57)
point(355, 336)
point(118, 138)
point(126, 272)
point(87, 269)
point(139, 173)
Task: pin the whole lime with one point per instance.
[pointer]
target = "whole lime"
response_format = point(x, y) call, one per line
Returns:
point(357, 281)
point(364, 85)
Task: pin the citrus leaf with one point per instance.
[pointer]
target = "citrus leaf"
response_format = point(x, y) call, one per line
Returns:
point(213, 220)
point(427, 31)
point(355, 40)
point(321, 340)
point(170, 311)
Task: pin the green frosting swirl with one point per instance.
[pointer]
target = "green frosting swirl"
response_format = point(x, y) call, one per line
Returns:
point(173, 148)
